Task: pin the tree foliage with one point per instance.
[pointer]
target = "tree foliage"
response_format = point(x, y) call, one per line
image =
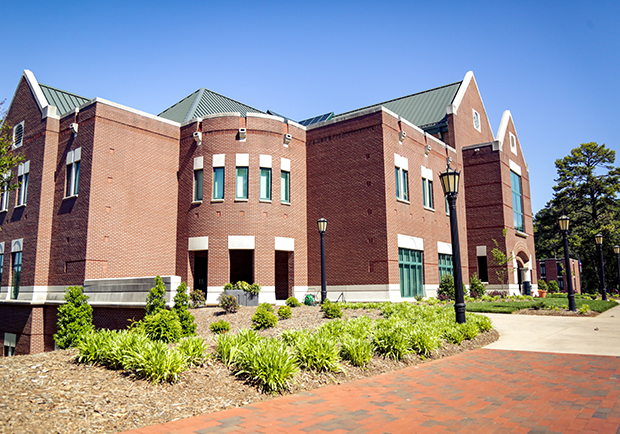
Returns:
point(9, 159)
point(74, 319)
point(181, 305)
point(587, 191)
point(156, 299)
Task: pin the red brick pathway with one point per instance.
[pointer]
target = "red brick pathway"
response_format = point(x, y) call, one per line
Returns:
point(481, 391)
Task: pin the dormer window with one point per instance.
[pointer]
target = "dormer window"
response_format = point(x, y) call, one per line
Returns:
point(18, 135)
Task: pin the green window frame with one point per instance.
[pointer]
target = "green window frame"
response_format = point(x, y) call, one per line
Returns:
point(285, 187)
point(411, 272)
point(198, 184)
point(402, 183)
point(517, 201)
point(241, 192)
point(17, 273)
point(218, 183)
point(445, 265)
point(265, 183)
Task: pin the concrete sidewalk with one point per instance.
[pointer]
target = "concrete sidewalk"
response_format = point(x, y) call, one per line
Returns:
point(598, 335)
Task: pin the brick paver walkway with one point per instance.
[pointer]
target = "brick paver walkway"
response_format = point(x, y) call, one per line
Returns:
point(481, 391)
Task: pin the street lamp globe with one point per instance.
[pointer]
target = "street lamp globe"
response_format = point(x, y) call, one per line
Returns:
point(599, 239)
point(564, 222)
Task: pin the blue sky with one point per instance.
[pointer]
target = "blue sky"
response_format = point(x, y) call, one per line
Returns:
point(555, 65)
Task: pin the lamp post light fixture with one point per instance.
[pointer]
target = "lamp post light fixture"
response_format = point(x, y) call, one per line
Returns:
point(599, 246)
point(617, 252)
point(322, 223)
point(450, 184)
point(564, 223)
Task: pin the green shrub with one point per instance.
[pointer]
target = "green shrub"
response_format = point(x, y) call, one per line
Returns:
point(446, 288)
point(291, 337)
point(254, 289)
point(243, 286)
point(584, 309)
point(266, 306)
point(542, 285)
point(156, 299)
point(163, 326)
point(267, 364)
point(93, 346)
point(476, 287)
point(292, 302)
point(228, 349)
point(195, 350)
point(121, 346)
point(220, 326)
point(483, 323)
point(453, 334)
point(331, 310)
point(360, 327)
point(318, 352)
point(284, 312)
point(181, 308)
point(229, 303)
point(392, 342)
point(424, 340)
point(75, 318)
point(228, 286)
point(358, 351)
point(156, 362)
point(553, 287)
point(470, 330)
point(197, 298)
point(264, 319)
point(538, 305)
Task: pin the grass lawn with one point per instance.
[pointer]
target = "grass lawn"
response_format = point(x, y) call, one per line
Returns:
point(511, 306)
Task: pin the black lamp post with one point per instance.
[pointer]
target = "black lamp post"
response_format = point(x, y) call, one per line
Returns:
point(617, 252)
point(322, 223)
point(450, 184)
point(599, 246)
point(564, 223)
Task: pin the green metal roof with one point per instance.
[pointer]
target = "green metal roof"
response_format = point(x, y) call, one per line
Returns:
point(423, 109)
point(63, 101)
point(204, 102)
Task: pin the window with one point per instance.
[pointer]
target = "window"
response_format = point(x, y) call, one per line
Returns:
point(17, 272)
point(561, 284)
point(265, 183)
point(9, 344)
point(427, 193)
point(543, 270)
point(402, 182)
point(411, 272)
point(18, 135)
point(1, 266)
point(22, 179)
point(445, 199)
point(73, 172)
point(445, 265)
point(513, 143)
point(285, 187)
point(242, 183)
point(198, 178)
point(4, 198)
point(483, 272)
point(218, 183)
point(476, 117)
point(560, 268)
point(517, 201)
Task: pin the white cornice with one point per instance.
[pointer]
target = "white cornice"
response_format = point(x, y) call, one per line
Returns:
point(458, 99)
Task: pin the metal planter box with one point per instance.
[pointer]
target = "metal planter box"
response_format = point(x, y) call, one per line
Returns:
point(243, 298)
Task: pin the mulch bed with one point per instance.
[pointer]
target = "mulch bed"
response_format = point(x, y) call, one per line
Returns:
point(51, 393)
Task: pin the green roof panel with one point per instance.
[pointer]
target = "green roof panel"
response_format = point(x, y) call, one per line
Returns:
point(422, 109)
point(63, 101)
point(204, 102)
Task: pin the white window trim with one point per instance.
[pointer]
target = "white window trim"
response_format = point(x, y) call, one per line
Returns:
point(402, 164)
point(288, 190)
point(429, 193)
point(513, 142)
point(21, 142)
point(474, 114)
point(73, 157)
point(4, 196)
point(23, 169)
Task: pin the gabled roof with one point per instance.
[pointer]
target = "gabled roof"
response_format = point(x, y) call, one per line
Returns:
point(204, 102)
point(423, 109)
point(63, 101)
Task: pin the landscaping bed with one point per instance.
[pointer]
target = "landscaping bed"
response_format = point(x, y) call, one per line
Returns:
point(541, 306)
point(51, 393)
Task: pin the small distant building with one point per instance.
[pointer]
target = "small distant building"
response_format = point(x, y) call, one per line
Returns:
point(555, 269)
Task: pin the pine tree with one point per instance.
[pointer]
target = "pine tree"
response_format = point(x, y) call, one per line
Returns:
point(75, 318)
point(181, 305)
point(156, 299)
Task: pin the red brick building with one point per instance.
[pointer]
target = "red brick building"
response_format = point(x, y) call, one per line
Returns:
point(555, 269)
point(212, 190)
